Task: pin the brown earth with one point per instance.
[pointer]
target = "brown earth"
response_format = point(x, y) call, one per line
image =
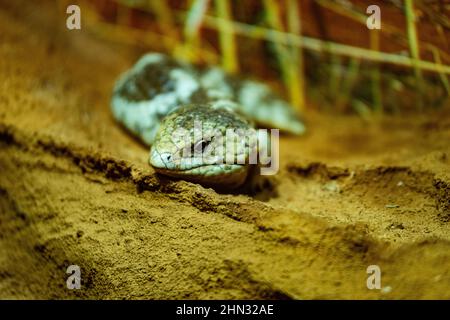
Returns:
point(76, 189)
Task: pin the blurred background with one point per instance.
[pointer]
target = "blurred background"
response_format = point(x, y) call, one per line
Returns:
point(319, 54)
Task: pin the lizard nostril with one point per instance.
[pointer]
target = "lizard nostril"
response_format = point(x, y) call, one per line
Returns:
point(166, 157)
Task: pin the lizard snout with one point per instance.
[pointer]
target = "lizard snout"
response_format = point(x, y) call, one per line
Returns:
point(160, 160)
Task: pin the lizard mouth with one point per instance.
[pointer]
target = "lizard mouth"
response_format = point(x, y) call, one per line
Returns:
point(196, 170)
point(165, 162)
point(205, 170)
point(223, 176)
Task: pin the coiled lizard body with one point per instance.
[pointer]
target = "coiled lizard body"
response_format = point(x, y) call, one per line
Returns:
point(162, 101)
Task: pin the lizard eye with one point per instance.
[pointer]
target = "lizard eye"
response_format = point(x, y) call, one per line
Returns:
point(200, 146)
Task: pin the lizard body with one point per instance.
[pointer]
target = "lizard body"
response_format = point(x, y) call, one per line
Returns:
point(166, 103)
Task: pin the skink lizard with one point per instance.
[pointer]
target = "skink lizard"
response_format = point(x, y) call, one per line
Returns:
point(162, 101)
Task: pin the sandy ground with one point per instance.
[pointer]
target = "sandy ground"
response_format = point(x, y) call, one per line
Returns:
point(76, 189)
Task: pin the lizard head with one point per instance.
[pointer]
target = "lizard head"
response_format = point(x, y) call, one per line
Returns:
point(205, 143)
